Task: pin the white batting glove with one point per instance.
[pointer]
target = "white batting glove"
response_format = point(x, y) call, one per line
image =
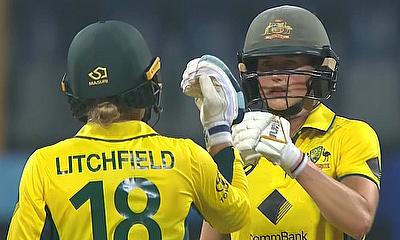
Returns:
point(217, 95)
point(246, 135)
point(269, 135)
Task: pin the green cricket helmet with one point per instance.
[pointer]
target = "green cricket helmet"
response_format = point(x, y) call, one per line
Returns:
point(110, 61)
point(287, 30)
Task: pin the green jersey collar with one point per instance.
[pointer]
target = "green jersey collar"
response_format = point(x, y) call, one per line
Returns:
point(115, 132)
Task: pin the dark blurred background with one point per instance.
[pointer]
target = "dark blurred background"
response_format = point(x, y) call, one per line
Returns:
point(34, 40)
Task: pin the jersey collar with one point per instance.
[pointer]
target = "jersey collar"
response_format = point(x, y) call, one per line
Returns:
point(120, 131)
point(320, 118)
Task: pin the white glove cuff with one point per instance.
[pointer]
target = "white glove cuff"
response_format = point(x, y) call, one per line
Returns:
point(293, 160)
point(300, 167)
point(217, 134)
point(216, 126)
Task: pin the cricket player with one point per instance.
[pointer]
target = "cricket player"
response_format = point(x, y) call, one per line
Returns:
point(117, 178)
point(312, 174)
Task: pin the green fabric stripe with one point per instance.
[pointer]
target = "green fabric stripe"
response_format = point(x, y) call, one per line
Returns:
point(224, 160)
point(116, 140)
point(49, 231)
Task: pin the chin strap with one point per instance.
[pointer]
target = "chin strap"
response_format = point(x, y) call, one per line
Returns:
point(290, 111)
point(147, 114)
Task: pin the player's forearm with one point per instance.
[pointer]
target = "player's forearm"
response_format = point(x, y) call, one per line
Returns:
point(340, 205)
point(218, 147)
point(241, 215)
point(232, 190)
point(229, 211)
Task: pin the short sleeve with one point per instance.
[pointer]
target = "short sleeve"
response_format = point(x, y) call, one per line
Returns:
point(29, 216)
point(360, 153)
point(224, 205)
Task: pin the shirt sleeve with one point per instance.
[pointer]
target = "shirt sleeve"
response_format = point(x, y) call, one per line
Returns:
point(29, 215)
point(360, 153)
point(225, 206)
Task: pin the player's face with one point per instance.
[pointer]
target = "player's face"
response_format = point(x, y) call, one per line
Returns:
point(283, 90)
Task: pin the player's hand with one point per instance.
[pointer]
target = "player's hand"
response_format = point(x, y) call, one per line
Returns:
point(269, 135)
point(217, 95)
point(246, 135)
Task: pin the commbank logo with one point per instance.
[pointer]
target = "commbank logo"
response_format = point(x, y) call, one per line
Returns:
point(275, 207)
point(281, 236)
point(98, 76)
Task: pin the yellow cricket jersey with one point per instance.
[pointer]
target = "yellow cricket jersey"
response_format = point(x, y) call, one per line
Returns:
point(122, 182)
point(281, 208)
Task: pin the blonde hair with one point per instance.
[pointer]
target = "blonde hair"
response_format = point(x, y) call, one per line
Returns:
point(104, 113)
point(108, 112)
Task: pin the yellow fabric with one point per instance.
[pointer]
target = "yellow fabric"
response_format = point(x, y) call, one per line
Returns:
point(125, 182)
point(281, 208)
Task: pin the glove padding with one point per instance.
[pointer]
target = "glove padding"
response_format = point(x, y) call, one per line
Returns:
point(246, 136)
point(217, 95)
point(269, 135)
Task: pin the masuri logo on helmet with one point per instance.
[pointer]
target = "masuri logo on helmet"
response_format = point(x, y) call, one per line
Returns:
point(98, 76)
point(110, 60)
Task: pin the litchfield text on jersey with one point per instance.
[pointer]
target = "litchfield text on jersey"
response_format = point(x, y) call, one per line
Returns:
point(115, 160)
